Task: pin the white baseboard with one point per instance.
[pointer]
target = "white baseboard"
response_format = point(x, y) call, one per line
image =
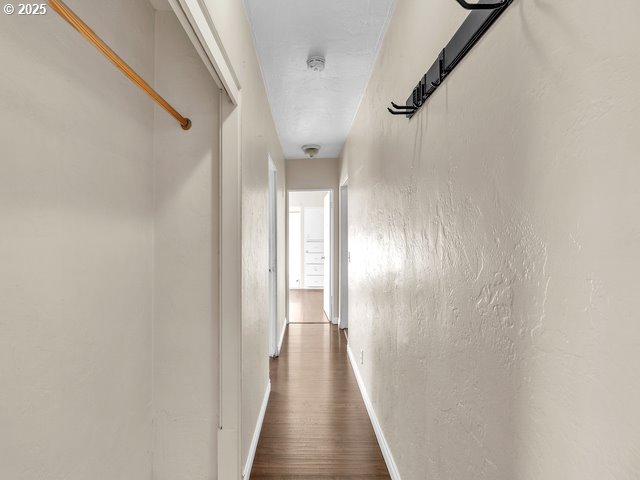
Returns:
point(284, 330)
point(256, 434)
point(336, 320)
point(382, 441)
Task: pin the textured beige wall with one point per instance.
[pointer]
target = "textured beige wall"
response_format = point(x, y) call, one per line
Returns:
point(185, 330)
point(317, 173)
point(495, 245)
point(259, 140)
point(321, 173)
point(108, 297)
point(76, 152)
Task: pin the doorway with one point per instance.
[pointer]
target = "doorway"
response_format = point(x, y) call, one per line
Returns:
point(310, 252)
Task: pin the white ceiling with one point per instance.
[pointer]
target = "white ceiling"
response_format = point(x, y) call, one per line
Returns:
point(311, 107)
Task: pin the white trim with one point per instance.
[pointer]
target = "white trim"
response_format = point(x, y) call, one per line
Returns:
point(230, 293)
point(384, 446)
point(188, 28)
point(201, 30)
point(273, 257)
point(212, 45)
point(343, 256)
point(256, 434)
point(336, 320)
point(284, 330)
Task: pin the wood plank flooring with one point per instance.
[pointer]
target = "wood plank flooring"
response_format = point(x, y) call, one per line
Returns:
point(305, 306)
point(316, 425)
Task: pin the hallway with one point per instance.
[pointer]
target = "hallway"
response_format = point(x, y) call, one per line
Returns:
point(305, 306)
point(316, 425)
point(284, 239)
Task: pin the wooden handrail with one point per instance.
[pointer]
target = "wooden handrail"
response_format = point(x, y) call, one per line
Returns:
point(65, 12)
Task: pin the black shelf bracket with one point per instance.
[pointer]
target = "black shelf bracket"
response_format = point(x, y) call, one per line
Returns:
point(482, 15)
point(481, 6)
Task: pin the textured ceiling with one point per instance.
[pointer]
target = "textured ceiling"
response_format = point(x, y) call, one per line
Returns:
point(311, 107)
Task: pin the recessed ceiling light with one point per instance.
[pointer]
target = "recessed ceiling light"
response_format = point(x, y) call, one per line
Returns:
point(311, 150)
point(316, 63)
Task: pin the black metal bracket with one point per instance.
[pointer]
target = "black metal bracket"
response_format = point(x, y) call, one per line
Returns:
point(482, 16)
point(481, 6)
point(402, 109)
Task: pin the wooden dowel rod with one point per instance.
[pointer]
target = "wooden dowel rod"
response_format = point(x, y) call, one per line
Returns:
point(65, 12)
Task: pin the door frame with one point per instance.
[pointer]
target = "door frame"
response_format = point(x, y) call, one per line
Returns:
point(327, 202)
point(202, 32)
point(204, 36)
point(343, 283)
point(333, 239)
point(273, 259)
point(288, 276)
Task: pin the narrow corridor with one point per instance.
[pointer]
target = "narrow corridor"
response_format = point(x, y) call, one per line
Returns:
point(305, 306)
point(316, 424)
point(199, 197)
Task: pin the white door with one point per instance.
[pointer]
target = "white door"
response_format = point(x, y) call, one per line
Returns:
point(327, 256)
point(273, 261)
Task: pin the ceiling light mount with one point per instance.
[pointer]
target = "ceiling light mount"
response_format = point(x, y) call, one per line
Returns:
point(315, 63)
point(311, 150)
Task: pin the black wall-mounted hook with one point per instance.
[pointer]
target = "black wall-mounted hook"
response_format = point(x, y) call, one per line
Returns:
point(482, 16)
point(442, 71)
point(481, 6)
point(406, 112)
point(402, 109)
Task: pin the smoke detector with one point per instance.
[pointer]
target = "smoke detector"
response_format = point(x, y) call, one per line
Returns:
point(315, 63)
point(311, 150)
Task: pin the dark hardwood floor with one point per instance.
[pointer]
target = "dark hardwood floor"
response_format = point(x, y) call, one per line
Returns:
point(305, 306)
point(316, 425)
